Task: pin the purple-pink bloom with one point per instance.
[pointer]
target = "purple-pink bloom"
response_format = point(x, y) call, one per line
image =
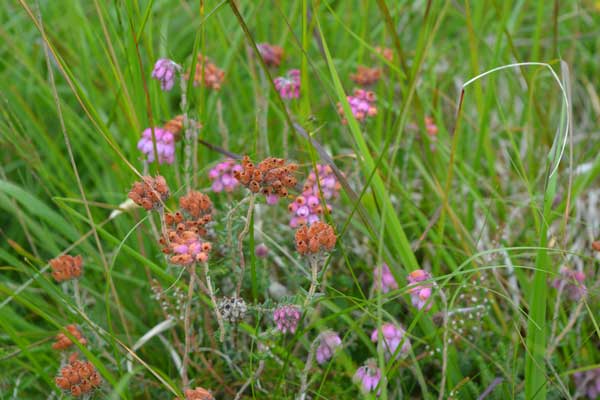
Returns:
point(362, 105)
point(387, 280)
point(288, 86)
point(221, 176)
point(420, 292)
point(392, 337)
point(368, 376)
point(261, 251)
point(330, 341)
point(165, 145)
point(572, 283)
point(588, 383)
point(286, 318)
point(164, 71)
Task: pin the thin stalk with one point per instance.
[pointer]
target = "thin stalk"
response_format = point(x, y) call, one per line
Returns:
point(186, 328)
point(241, 236)
point(307, 367)
point(314, 281)
point(213, 299)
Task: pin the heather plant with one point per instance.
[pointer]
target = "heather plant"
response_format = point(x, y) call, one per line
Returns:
point(209, 200)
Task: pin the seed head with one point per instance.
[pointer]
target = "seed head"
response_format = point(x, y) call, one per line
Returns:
point(150, 193)
point(66, 267)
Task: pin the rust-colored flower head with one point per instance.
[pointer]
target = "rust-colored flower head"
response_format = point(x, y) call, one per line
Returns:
point(271, 176)
point(63, 342)
point(317, 238)
point(213, 76)
point(175, 126)
point(78, 377)
point(385, 52)
point(66, 267)
point(185, 246)
point(366, 76)
point(271, 54)
point(196, 204)
point(196, 211)
point(151, 193)
point(198, 393)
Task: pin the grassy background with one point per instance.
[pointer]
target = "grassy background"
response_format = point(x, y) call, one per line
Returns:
point(482, 204)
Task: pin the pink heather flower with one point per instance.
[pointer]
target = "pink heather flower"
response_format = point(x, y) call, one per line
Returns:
point(164, 71)
point(362, 105)
point(392, 336)
point(387, 280)
point(420, 293)
point(286, 318)
point(289, 85)
point(307, 208)
point(272, 199)
point(572, 283)
point(261, 251)
point(165, 145)
point(432, 129)
point(368, 376)
point(330, 341)
point(588, 383)
point(222, 176)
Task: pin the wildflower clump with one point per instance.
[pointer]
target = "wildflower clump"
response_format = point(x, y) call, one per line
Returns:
point(198, 393)
point(392, 337)
point(571, 282)
point(362, 105)
point(150, 193)
point(286, 318)
point(208, 74)
point(329, 342)
point(164, 71)
point(386, 281)
point(63, 342)
point(366, 76)
point(66, 267)
point(222, 176)
point(315, 239)
point(288, 86)
point(78, 377)
point(420, 292)
point(368, 376)
point(271, 54)
point(271, 176)
point(165, 145)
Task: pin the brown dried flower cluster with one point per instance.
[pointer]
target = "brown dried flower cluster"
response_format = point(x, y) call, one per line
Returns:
point(319, 237)
point(213, 75)
point(175, 126)
point(271, 54)
point(270, 176)
point(66, 267)
point(366, 76)
point(78, 377)
point(151, 193)
point(63, 342)
point(385, 52)
point(197, 394)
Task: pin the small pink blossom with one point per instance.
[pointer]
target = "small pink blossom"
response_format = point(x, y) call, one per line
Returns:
point(261, 251)
point(286, 318)
point(420, 292)
point(165, 145)
point(330, 341)
point(289, 85)
point(387, 280)
point(392, 337)
point(164, 71)
point(362, 105)
point(221, 176)
point(368, 376)
point(572, 283)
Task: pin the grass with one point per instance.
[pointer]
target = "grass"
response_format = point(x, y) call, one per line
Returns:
point(493, 206)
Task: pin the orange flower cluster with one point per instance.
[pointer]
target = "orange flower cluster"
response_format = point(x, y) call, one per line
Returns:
point(79, 377)
point(319, 237)
point(271, 54)
point(63, 342)
point(366, 76)
point(197, 394)
point(270, 176)
point(150, 193)
point(385, 52)
point(213, 75)
point(175, 126)
point(66, 267)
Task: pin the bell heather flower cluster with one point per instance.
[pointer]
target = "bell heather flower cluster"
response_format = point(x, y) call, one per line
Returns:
point(329, 342)
point(316, 239)
point(78, 377)
point(387, 281)
point(271, 176)
point(368, 376)
point(66, 267)
point(588, 383)
point(288, 86)
point(63, 342)
point(392, 336)
point(286, 318)
point(307, 207)
point(385, 52)
point(165, 145)
point(207, 74)
point(164, 71)
point(150, 193)
point(222, 177)
point(271, 54)
point(571, 282)
point(362, 105)
point(420, 292)
point(366, 76)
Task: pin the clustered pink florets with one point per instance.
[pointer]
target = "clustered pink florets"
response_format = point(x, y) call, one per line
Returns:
point(286, 318)
point(420, 292)
point(222, 176)
point(392, 337)
point(165, 145)
point(387, 280)
point(164, 71)
point(368, 376)
point(329, 342)
point(362, 105)
point(289, 85)
point(572, 283)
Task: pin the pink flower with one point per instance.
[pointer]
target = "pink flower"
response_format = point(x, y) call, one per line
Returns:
point(261, 251)
point(222, 176)
point(368, 376)
point(420, 293)
point(286, 318)
point(588, 383)
point(289, 85)
point(387, 280)
point(362, 105)
point(392, 337)
point(330, 341)
point(164, 71)
point(165, 145)
point(572, 283)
